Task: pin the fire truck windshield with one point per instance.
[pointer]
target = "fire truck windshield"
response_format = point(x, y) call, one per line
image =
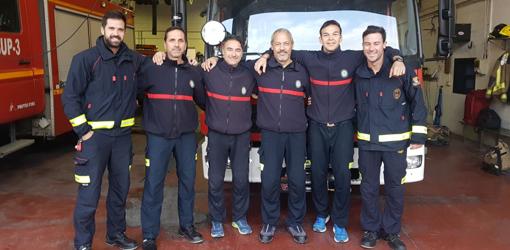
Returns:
point(255, 21)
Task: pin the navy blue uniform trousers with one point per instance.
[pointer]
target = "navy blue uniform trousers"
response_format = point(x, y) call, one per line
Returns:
point(275, 147)
point(98, 153)
point(395, 165)
point(221, 147)
point(159, 150)
point(331, 145)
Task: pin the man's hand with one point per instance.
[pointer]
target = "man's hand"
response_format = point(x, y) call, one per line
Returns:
point(261, 63)
point(209, 64)
point(397, 69)
point(87, 135)
point(193, 62)
point(308, 101)
point(159, 57)
point(415, 146)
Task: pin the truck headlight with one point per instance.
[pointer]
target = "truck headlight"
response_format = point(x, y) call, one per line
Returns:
point(414, 161)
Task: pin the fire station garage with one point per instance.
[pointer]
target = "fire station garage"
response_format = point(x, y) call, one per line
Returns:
point(102, 148)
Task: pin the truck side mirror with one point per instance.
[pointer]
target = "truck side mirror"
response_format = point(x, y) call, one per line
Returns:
point(446, 19)
point(213, 33)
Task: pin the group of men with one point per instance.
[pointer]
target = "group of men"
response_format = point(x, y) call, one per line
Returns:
point(307, 101)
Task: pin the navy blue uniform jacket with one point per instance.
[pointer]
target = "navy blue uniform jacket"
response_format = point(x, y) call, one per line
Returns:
point(391, 111)
point(100, 91)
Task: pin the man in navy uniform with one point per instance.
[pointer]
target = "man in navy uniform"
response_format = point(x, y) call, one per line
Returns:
point(99, 99)
point(391, 116)
point(229, 88)
point(170, 120)
point(330, 127)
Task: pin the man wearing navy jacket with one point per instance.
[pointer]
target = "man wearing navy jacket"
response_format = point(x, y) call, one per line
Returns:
point(99, 99)
point(281, 117)
point(229, 87)
point(170, 120)
point(330, 130)
point(391, 116)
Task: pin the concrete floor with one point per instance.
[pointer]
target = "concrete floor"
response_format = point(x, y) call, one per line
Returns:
point(457, 206)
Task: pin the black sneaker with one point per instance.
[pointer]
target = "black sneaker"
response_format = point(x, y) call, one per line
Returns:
point(84, 247)
point(267, 233)
point(191, 235)
point(121, 241)
point(298, 233)
point(369, 239)
point(395, 242)
point(149, 244)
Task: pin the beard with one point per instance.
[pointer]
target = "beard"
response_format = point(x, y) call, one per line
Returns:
point(113, 44)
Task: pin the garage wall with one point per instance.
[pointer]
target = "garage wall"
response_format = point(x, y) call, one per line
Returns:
point(478, 14)
point(143, 24)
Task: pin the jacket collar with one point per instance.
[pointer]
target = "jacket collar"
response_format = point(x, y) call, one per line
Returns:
point(272, 63)
point(173, 63)
point(105, 52)
point(333, 54)
point(366, 72)
point(224, 66)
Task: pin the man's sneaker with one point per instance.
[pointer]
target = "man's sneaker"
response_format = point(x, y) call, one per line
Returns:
point(121, 241)
point(149, 244)
point(320, 224)
point(267, 233)
point(191, 235)
point(369, 239)
point(340, 234)
point(84, 247)
point(217, 229)
point(298, 233)
point(395, 242)
point(242, 226)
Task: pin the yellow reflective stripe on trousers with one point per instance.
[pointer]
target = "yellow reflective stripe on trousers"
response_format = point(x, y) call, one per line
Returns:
point(419, 129)
point(363, 136)
point(82, 179)
point(127, 122)
point(394, 137)
point(79, 120)
point(147, 162)
point(350, 164)
point(102, 124)
point(403, 180)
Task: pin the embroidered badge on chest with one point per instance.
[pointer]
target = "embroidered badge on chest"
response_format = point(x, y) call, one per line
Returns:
point(344, 73)
point(416, 81)
point(192, 84)
point(298, 84)
point(243, 91)
point(396, 93)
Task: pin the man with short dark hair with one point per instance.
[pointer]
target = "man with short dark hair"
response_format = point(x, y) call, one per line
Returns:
point(99, 99)
point(391, 116)
point(228, 107)
point(170, 120)
point(330, 127)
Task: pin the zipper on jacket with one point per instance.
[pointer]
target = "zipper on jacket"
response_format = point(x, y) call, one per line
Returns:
point(175, 101)
point(229, 101)
point(281, 99)
point(329, 90)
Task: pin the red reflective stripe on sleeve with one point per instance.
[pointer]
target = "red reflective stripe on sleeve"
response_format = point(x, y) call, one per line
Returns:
point(228, 98)
point(170, 97)
point(285, 91)
point(331, 83)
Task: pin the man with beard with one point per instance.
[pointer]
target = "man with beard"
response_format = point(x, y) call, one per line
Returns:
point(391, 116)
point(330, 127)
point(170, 120)
point(99, 100)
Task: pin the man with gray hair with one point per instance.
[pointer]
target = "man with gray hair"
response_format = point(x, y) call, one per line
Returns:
point(281, 117)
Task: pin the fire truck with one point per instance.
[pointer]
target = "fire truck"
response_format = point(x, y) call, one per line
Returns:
point(254, 21)
point(38, 39)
